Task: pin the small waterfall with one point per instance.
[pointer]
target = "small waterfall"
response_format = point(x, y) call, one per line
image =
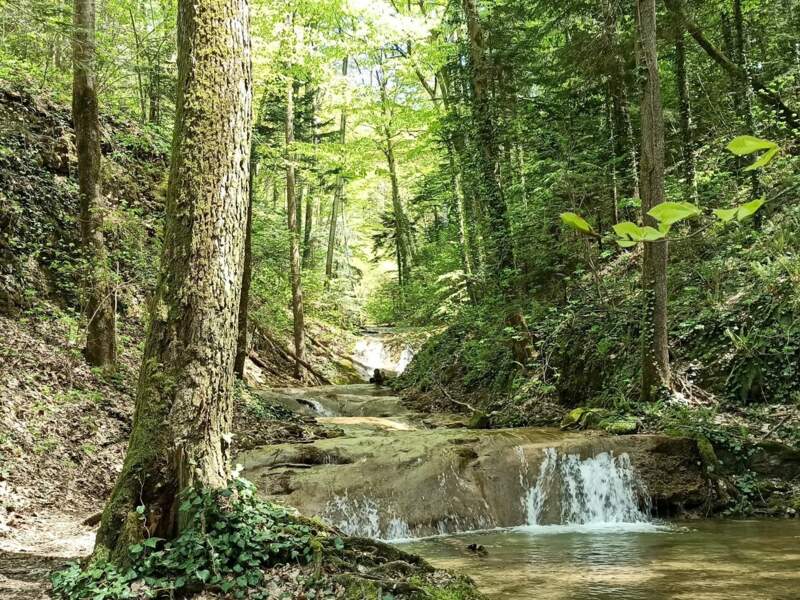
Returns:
point(320, 409)
point(599, 490)
point(372, 353)
point(364, 518)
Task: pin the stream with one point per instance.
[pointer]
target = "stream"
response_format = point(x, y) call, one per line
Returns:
point(557, 515)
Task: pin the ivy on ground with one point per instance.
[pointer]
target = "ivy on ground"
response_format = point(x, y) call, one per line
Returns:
point(232, 537)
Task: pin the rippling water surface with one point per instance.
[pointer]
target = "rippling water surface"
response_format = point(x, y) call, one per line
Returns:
point(704, 560)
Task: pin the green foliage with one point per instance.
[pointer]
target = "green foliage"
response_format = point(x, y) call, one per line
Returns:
point(746, 145)
point(576, 222)
point(669, 213)
point(230, 539)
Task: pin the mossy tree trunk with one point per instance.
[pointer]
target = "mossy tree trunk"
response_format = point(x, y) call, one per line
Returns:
point(293, 221)
point(182, 423)
point(500, 240)
point(655, 341)
point(338, 195)
point(101, 339)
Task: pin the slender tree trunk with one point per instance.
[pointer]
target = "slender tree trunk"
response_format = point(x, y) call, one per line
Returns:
point(685, 110)
point(308, 230)
point(655, 341)
point(402, 233)
point(184, 404)
point(101, 337)
point(624, 145)
point(294, 238)
point(744, 90)
point(401, 225)
point(138, 67)
point(338, 196)
point(499, 228)
point(243, 339)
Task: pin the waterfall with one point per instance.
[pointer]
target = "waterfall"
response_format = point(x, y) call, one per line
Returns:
point(599, 490)
point(372, 353)
point(362, 517)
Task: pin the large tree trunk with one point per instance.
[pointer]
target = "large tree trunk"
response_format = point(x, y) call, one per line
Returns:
point(182, 422)
point(338, 195)
point(655, 342)
point(293, 219)
point(101, 337)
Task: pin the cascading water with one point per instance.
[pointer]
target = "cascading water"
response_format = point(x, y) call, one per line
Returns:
point(599, 490)
point(363, 517)
point(372, 353)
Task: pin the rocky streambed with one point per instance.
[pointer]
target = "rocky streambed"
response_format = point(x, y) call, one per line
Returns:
point(394, 474)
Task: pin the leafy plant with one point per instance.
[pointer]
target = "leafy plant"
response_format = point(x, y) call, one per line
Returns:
point(230, 539)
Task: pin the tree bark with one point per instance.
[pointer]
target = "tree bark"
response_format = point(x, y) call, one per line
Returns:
point(402, 228)
point(293, 219)
point(624, 146)
point(338, 195)
point(655, 341)
point(685, 110)
point(243, 339)
point(501, 252)
point(308, 230)
point(101, 337)
point(184, 403)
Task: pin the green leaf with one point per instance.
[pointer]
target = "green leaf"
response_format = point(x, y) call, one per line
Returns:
point(203, 575)
point(631, 232)
point(576, 222)
point(651, 234)
point(765, 159)
point(745, 145)
point(740, 213)
point(726, 215)
point(627, 229)
point(669, 213)
point(749, 209)
point(627, 243)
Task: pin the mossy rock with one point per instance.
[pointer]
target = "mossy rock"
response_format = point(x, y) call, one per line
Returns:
point(479, 420)
point(625, 425)
point(584, 418)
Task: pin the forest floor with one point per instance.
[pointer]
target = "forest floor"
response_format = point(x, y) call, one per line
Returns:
point(63, 432)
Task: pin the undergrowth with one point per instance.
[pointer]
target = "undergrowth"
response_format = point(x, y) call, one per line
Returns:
point(232, 537)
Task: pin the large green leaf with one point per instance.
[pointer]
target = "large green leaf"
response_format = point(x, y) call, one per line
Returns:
point(627, 229)
point(651, 234)
point(749, 209)
point(740, 213)
point(577, 222)
point(726, 215)
point(631, 234)
point(745, 145)
point(669, 213)
point(764, 160)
